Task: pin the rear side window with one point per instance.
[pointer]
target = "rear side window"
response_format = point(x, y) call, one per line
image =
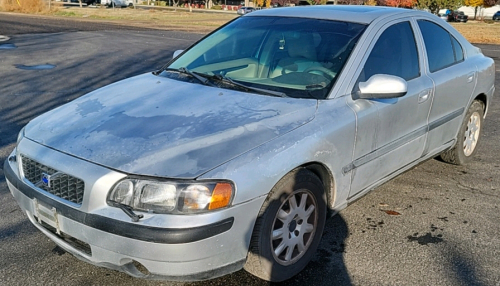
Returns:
point(459, 54)
point(395, 53)
point(442, 49)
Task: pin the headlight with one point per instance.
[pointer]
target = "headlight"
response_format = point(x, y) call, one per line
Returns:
point(172, 197)
point(20, 136)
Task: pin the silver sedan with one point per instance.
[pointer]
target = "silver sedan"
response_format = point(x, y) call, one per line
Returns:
point(232, 155)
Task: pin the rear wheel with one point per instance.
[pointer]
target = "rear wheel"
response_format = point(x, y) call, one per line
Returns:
point(289, 227)
point(468, 136)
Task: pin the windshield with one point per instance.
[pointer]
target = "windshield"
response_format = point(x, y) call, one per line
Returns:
point(297, 57)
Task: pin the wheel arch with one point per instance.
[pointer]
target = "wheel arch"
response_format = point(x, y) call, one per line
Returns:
point(483, 99)
point(264, 267)
point(326, 177)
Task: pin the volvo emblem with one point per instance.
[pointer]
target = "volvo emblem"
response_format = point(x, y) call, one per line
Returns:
point(46, 179)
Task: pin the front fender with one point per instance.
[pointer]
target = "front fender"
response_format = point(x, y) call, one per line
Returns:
point(328, 139)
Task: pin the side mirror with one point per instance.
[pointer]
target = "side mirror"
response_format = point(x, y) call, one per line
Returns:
point(382, 86)
point(176, 53)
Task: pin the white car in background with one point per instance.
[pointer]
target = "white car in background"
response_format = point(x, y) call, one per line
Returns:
point(245, 10)
point(118, 3)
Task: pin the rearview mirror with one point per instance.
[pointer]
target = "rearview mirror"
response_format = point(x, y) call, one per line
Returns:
point(176, 53)
point(382, 86)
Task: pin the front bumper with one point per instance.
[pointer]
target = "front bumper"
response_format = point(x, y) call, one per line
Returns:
point(172, 247)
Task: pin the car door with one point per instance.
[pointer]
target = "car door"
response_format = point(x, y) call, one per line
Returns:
point(391, 133)
point(454, 80)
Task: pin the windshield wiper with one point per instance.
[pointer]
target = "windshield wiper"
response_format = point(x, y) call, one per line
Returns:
point(200, 78)
point(228, 80)
point(127, 210)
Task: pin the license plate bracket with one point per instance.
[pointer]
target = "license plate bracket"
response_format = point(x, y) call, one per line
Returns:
point(47, 215)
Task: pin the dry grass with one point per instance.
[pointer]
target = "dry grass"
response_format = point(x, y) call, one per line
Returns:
point(24, 6)
point(156, 19)
point(479, 32)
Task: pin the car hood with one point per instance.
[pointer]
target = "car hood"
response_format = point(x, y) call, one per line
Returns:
point(151, 125)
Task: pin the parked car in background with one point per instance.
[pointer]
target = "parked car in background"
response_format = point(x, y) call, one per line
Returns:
point(234, 154)
point(457, 16)
point(245, 10)
point(443, 17)
point(88, 2)
point(496, 16)
point(117, 3)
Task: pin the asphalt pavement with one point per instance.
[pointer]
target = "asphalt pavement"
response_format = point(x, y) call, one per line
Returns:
point(437, 224)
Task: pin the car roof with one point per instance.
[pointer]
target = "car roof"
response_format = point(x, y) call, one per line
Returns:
point(347, 13)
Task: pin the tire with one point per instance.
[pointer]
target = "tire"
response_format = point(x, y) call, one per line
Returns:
point(469, 136)
point(280, 257)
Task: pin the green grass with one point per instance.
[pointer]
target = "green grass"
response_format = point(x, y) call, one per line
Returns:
point(66, 13)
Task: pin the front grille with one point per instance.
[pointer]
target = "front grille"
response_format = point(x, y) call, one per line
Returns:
point(52, 181)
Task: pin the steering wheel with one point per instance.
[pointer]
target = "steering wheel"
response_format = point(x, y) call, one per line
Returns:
point(328, 74)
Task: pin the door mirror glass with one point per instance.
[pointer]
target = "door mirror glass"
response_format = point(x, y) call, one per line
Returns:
point(382, 86)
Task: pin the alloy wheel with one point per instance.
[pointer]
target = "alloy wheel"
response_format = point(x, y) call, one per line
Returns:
point(294, 227)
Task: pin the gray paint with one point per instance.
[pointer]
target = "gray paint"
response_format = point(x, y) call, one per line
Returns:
point(357, 14)
point(162, 127)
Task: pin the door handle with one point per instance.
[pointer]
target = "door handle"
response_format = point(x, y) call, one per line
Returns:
point(470, 77)
point(424, 95)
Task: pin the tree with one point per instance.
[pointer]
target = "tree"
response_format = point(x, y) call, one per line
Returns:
point(479, 3)
point(474, 3)
point(281, 3)
point(401, 3)
point(350, 2)
point(260, 3)
point(435, 5)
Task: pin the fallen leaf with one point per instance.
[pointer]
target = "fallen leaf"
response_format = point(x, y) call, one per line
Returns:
point(389, 212)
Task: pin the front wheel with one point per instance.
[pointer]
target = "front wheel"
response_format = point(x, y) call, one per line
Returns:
point(468, 136)
point(289, 227)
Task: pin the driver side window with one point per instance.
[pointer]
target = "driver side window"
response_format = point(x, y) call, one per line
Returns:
point(395, 53)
